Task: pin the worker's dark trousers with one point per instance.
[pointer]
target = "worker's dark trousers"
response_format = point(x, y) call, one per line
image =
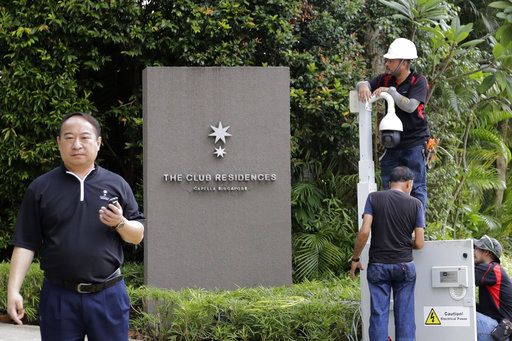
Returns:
point(414, 159)
point(66, 315)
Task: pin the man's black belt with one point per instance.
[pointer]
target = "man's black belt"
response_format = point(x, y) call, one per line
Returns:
point(86, 288)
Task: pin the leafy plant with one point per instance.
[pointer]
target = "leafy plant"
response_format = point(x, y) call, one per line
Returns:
point(324, 233)
point(317, 310)
point(419, 13)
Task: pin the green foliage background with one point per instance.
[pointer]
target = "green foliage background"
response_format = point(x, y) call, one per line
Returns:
point(62, 56)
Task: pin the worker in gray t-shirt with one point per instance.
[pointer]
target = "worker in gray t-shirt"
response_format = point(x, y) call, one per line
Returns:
point(391, 216)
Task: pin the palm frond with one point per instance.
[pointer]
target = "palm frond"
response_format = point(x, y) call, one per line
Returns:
point(453, 100)
point(479, 179)
point(492, 117)
point(467, 97)
point(494, 139)
point(486, 157)
point(315, 254)
point(481, 220)
point(306, 194)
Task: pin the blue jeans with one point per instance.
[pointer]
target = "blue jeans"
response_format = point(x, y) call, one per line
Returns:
point(414, 159)
point(484, 327)
point(66, 315)
point(402, 278)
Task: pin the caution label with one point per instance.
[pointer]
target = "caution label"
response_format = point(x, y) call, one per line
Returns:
point(446, 316)
point(432, 319)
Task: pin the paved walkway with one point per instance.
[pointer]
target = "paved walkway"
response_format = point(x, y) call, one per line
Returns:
point(11, 332)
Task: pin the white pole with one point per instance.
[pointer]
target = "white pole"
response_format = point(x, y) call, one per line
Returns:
point(366, 184)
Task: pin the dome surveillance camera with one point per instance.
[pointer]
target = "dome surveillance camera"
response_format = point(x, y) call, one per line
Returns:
point(390, 127)
point(389, 138)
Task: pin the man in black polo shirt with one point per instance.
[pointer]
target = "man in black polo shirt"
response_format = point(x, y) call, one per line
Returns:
point(77, 217)
point(495, 288)
point(391, 216)
point(409, 90)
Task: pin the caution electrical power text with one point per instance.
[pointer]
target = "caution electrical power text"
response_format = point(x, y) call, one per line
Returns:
point(446, 316)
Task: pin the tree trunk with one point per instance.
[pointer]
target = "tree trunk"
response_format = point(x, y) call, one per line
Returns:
point(375, 49)
point(501, 166)
point(373, 43)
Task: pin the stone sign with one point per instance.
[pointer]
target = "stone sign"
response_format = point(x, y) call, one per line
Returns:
point(217, 177)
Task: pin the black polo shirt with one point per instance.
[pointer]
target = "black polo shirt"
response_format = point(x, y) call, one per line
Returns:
point(415, 86)
point(59, 217)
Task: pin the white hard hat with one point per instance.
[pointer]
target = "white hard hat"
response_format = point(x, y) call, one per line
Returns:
point(401, 48)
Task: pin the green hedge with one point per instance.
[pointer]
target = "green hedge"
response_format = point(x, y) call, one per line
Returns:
point(33, 281)
point(29, 291)
point(326, 310)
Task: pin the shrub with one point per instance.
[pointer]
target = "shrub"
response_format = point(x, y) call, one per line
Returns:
point(30, 290)
point(317, 310)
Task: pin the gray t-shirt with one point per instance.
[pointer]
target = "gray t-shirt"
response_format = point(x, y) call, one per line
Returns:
point(395, 216)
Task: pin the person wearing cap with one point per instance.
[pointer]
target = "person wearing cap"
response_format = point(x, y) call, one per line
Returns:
point(391, 217)
point(495, 287)
point(409, 91)
point(77, 217)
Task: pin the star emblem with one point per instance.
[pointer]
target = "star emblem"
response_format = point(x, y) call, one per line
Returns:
point(220, 151)
point(220, 133)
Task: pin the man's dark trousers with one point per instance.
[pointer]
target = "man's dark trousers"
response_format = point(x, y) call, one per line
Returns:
point(414, 159)
point(66, 315)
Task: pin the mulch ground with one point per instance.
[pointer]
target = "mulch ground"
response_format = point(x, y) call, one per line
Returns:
point(5, 318)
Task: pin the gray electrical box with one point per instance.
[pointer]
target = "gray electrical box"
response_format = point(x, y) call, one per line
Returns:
point(444, 302)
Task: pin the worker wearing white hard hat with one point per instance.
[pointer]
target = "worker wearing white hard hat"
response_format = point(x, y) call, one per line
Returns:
point(409, 90)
